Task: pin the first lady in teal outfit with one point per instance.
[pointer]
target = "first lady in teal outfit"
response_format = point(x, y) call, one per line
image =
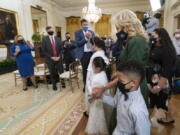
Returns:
point(128, 28)
point(24, 59)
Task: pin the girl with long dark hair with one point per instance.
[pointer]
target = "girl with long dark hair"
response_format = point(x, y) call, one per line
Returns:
point(161, 60)
point(98, 46)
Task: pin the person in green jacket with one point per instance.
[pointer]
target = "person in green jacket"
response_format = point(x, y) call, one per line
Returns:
point(129, 29)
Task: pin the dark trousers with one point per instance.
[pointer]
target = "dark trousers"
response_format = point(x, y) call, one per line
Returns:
point(67, 63)
point(55, 67)
point(85, 62)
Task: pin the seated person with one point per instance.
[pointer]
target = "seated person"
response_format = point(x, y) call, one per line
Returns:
point(132, 113)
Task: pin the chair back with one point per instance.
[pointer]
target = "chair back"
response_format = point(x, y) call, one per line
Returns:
point(74, 69)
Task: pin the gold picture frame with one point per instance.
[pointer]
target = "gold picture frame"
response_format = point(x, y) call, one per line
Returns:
point(9, 24)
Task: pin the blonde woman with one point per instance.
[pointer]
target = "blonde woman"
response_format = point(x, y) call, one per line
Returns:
point(22, 51)
point(130, 30)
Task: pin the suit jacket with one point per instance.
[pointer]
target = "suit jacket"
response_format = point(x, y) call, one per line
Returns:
point(80, 42)
point(48, 50)
point(69, 51)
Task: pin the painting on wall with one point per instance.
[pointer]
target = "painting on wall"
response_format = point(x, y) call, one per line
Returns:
point(8, 25)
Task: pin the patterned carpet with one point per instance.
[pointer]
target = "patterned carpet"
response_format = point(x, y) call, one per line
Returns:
point(39, 111)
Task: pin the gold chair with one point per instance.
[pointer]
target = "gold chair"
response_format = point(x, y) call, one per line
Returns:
point(16, 76)
point(42, 72)
point(71, 75)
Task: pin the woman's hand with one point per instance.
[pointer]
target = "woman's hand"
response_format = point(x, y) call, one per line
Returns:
point(29, 44)
point(17, 50)
point(97, 92)
point(156, 89)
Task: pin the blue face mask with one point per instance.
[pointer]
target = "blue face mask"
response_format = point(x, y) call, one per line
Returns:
point(85, 28)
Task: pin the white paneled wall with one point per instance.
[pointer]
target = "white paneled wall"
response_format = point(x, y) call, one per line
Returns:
point(171, 10)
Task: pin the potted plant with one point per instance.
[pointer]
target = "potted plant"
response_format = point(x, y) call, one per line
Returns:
point(36, 38)
point(7, 66)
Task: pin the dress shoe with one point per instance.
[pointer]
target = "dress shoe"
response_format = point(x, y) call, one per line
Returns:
point(25, 89)
point(86, 114)
point(162, 121)
point(54, 88)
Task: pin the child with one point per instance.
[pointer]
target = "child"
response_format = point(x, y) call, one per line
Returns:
point(97, 123)
point(132, 113)
point(159, 100)
point(98, 46)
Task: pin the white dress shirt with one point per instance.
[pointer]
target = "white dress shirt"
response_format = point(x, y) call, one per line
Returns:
point(52, 37)
point(87, 46)
point(132, 114)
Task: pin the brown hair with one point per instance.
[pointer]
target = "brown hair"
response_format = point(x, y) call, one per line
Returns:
point(83, 20)
point(16, 38)
point(48, 27)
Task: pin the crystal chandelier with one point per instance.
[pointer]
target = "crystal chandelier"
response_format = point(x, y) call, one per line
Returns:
point(91, 13)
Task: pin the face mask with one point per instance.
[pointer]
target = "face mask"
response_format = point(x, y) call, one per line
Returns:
point(21, 41)
point(67, 38)
point(153, 40)
point(85, 28)
point(177, 35)
point(51, 33)
point(122, 35)
point(122, 88)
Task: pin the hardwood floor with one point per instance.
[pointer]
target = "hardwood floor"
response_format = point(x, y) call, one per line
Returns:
point(158, 129)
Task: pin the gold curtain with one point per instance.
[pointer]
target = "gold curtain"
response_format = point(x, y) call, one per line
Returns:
point(73, 24)
point(161, 21)
point(103, 26)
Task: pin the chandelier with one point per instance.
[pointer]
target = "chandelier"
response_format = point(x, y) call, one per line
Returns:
point(91, 13)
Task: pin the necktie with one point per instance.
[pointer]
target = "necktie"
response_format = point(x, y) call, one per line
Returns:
point(53, 47)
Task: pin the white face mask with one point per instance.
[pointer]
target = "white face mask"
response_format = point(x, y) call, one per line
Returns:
point(177, 35)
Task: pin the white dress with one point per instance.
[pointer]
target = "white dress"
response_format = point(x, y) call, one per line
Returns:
point(97, 121)
point(90, 74)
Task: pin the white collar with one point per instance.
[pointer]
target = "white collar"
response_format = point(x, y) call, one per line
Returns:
point(134, 94)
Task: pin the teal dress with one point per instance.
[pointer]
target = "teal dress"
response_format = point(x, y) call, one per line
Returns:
point(136, 49)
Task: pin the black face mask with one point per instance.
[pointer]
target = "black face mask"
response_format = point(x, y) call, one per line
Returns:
point(122, 88)
point(153, 40)
point(67, 38)
point(21, 41)
point(103, 38)
point(122, 36)
point(51, 33)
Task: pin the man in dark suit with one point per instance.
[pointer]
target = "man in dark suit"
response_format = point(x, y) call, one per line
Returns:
point(52, 49)
point(84, 50)
point(69, 47)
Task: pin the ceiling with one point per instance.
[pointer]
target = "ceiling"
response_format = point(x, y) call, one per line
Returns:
point(82, 3)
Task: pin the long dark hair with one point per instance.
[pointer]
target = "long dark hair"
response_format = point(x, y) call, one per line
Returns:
point(166, 41)
point(99, 43)
point(100, 63)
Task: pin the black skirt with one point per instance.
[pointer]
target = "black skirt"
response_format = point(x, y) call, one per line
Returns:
point(160, 100)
